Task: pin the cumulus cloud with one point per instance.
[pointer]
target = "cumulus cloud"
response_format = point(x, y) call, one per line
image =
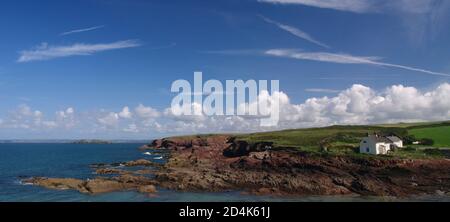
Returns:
point(131, 128)
point(109, 120)
point(146, 112)
point(343, 59)
point(46, 52)
point(24, 117)
point(360, 104)
point(356, 105)
point(125, 113)
point(66, 118)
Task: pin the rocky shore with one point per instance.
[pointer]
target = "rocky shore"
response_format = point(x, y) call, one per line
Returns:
point(113, 179)
point(219, 163)
point(222, 163)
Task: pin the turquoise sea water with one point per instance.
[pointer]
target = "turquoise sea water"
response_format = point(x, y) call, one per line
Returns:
point(72, 160)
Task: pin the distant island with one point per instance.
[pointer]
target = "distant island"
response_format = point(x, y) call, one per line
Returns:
point(95, 141)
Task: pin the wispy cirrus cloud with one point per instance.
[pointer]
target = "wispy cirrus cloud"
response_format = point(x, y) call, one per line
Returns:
point(423, 19)
point(47, 52)
point(322, 90)
point(358, 6)
point(368, 6)
point(295, 31)
point(343, 59)
point(82, 30)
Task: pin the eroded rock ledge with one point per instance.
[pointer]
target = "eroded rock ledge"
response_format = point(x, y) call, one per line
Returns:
point(125, 179)
point(221, 163)
point(97, 185)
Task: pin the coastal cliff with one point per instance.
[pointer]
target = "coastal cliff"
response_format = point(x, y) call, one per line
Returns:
point(220, 163)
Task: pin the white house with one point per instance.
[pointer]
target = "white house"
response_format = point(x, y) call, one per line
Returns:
point(396, 141)
point(376, 144)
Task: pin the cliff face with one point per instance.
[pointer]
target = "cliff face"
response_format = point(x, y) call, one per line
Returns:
point(220, 163)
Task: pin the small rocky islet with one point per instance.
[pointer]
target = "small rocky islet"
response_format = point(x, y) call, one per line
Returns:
point(221, 163)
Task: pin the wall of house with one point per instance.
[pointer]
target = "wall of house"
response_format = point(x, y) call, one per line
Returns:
point(376, 148)
point(379, 148)
point(399, 144)
point(368, 144)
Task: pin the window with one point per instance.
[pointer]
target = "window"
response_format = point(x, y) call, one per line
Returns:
point(364, 141)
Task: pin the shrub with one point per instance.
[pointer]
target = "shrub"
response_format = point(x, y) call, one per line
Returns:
point(427, 142)
point(410, 148)
point(434, 152)
point(409, 139)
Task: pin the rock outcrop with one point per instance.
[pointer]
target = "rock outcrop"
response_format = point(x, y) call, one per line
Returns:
point(97, 185)
point(222, 163)
point(219, 163)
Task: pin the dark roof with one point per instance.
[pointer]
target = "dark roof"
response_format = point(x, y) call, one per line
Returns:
point(379, 139)
point(394, 139)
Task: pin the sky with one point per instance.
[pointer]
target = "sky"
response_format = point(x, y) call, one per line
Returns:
point(103, 69)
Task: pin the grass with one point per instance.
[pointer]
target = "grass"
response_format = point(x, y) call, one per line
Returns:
point(338, 140)
point(344, 140)
point(415, 125)
point(440, 135)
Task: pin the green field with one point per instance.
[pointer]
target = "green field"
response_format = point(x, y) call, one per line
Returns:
point(336, 139)
point(415, 125)
point(344, 140)
point(440, 135)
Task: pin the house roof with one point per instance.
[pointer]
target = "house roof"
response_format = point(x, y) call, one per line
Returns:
point(394, 139)
point(379, 139)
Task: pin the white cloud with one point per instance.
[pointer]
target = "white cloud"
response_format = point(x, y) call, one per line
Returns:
point(321, 90)
point(360, 104)
point(367, 6)
point(423, 19)
point(24, 117)
point(125, 113)
point(356, 105)
point(46, 52)
point(296, 32)
point(109, 120)
point(66, 118)
point(146, 112)
point(131, 128)
point(82, 30)
point(343, 59)
point(359, 6)
point(24, 110)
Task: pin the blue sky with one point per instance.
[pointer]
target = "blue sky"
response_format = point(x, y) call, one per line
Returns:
point(98, 57)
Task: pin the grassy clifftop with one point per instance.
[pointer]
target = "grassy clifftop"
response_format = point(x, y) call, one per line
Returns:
point(344, 140)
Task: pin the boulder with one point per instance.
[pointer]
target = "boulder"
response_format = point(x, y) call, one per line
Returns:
point(147, 189)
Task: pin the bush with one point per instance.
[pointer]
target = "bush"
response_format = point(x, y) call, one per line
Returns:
point(410, 148)
point(347, 138)
point(434, 152)
point(409, 139)
point(427, 142)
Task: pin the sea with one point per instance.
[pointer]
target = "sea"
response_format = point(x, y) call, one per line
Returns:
point(24, 160)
